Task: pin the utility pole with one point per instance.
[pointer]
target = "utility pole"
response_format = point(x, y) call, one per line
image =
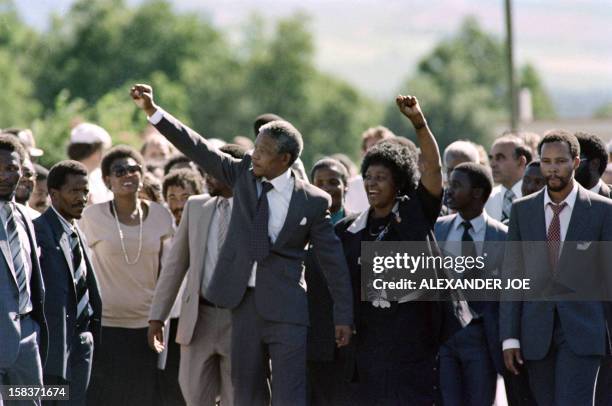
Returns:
point(510, 61)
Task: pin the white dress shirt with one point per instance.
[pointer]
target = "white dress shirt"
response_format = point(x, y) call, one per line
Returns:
point(597, 187)
point(279, 198)
point(212, 245)
point(564, 220)
point(495, 203)
point(24, 240)
point(477, 231)
point(356, 199)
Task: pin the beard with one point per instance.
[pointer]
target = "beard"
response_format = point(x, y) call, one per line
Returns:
point(563, 182)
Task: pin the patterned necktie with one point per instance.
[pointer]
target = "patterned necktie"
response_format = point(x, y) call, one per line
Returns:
point(553, 237)
point(468, 248)
point(224, 218)
point(509, 197)
point(12, 234)
point(260, 242)
point(84, 310)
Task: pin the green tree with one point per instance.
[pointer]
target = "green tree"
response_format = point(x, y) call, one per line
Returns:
point(542, 105)
point(463, 89)
point(604, 111)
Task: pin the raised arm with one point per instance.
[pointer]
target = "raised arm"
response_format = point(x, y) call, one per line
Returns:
point(222, 166)
point(431, 176)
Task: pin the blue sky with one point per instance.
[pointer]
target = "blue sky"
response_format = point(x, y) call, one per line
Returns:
point(375, 44)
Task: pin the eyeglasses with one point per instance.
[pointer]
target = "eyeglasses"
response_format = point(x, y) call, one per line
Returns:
point(121, 171)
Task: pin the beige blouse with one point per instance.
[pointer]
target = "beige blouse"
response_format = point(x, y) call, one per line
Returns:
point(126, 290)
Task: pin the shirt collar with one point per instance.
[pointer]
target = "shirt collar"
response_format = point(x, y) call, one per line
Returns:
point(477, 223)
point(281, 181)
point(570, 199)
point(597, 187)
point(68, 227)
point(516, 189)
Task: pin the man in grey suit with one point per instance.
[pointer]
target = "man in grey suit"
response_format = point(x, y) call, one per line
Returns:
point(471, 359)
point(23, 330)
point(204, 330)
point(259, 273)
point(562, 342)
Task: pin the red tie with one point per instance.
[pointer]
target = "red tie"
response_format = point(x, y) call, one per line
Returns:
point(553, 237)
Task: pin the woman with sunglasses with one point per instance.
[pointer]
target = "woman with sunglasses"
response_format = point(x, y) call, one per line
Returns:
point(126, 236)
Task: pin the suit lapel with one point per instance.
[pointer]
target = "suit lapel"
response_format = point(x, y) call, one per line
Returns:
point(61, 238)
point(580, 217)
point(445, 228)
point(536, 222)
point(4, 247)
point(203, 227)
point(294, 211)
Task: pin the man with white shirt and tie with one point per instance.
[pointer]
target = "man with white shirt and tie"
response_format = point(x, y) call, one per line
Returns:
point(73, 306)
point(471, 358)
point(23, 330)
point(509, 157)
point(560, 342)
point(204, 330)
point(259, 272)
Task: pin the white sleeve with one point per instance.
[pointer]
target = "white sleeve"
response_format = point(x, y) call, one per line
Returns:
point(510, 343)
point(157, 116)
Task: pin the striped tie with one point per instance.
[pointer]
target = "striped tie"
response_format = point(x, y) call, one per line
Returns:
point(12, 234)
point(80, 281)
point(509, 197)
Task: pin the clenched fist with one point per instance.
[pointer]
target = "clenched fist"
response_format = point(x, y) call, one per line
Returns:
point(409, 106)
point(143, 98)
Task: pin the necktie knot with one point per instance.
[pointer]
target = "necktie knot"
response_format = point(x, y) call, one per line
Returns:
point(557, 208)
point(509, 195)
point(8, 208)
point(266, 187)
point(223, 203)
point(466, 225)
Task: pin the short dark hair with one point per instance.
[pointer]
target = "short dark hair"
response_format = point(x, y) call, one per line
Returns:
point(593, 147)
point(561, 136)
point(333, 164)
point(264, 119)
point(82, 150)
point(234, 150)
point(118, 152)
point(288, 138)
point(10, 143)
point(182, 178)
point(60, 171)
point(479, 175)
point(151, 186)
point(399, 158)
point(42, 173)
point(533, 164)
point(523, 150)
point(175, 160)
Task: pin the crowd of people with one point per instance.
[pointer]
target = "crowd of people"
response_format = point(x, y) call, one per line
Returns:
point(199, 272)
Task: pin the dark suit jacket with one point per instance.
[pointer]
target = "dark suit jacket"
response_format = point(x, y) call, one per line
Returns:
point(583, 322)
point(280, 292)
point(61, 301)
point(495, 232)
point(10, 330)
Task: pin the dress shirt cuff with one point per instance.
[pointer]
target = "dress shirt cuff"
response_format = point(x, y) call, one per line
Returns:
point(511, 343)
point(157, 116)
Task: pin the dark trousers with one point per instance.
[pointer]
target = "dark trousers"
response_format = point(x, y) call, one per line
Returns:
point(169, 390)
point(27, 369)
point(563, 378)
point(124, 369)
point(329, 382)
point(467, 373)
point(79, 371)
point(603, 395)
point(255, 344)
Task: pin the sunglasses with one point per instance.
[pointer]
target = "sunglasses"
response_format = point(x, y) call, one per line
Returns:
point(121, 171)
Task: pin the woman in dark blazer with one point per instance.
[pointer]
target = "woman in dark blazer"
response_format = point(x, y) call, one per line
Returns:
point(397, 342)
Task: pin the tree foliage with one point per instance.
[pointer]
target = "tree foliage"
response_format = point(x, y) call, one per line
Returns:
point(462, 86)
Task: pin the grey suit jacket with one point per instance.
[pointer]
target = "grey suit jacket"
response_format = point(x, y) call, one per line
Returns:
point(495, 234)
point(280, 289)
point(187, 254)
point(583, 322)
point(10, 330)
